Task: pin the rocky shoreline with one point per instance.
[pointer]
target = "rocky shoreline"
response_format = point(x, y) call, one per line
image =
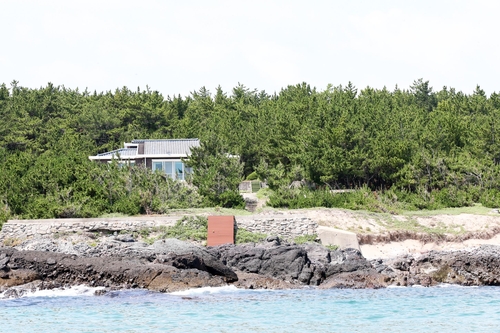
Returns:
point(168, 265)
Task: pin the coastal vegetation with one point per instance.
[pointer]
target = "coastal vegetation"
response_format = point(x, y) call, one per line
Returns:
point(193, 228)
point(400, 149)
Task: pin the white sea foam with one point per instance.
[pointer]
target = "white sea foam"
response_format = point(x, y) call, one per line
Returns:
point(80, 290)
point(450, 285)
point(207, 291)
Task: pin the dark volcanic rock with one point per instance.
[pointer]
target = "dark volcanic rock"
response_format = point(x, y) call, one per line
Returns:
point(349, 260)
point(307, 264)
point(366, 278)
point(284, 262)
point(64, 270)
point(189, 260)
point(171, 264)
point(470, 267)
point(125, 238)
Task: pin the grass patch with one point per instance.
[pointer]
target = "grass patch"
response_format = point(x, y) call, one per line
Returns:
point(476, 209)
point(187, 228)
point(210, 211)
point(332, 247)
point(245, 236)
point(12, 241)
point(305, 239)
point(111, 215)
point(409, 223)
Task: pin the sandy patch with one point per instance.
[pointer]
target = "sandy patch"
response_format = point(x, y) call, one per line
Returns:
point(416, 247)
point(482, 228)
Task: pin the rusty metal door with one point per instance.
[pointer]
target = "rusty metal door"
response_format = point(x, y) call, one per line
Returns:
point(220, 230)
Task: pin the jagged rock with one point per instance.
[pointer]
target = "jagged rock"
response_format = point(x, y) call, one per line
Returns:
point(308, 264)
point(102, 271)
point(4, 260)
point(367, 278)
point(171, 264)
point(317, 253)
point(471, 267)
point(190, 260)
point(125, 238)
point(256, 281)
point(348, 260)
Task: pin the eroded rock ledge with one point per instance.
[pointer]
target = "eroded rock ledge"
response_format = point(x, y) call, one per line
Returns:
point(172, 265)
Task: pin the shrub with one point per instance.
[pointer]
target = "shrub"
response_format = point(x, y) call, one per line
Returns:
point(253, 176)
point(389, 201)
point(217, 174)
point(4, 214)
point(188, 228)
point(231, 199)
point(490, 198)
point(129, 205)
point(452, 197)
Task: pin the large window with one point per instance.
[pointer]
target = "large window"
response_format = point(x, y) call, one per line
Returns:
point(173, 169)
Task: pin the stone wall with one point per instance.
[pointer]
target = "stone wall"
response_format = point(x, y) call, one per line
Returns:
point(22, 229)
point(286, 227)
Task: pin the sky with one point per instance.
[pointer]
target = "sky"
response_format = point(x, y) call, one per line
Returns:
point(177, 47)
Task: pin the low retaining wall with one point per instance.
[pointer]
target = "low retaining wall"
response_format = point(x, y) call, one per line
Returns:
point(343, 239)
point(285, 227)
point(22, 229)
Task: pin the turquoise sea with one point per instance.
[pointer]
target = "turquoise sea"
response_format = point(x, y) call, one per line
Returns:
point(227, 309)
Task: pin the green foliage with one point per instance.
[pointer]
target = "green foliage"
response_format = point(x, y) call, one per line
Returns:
point(490, 198)
point(304, 198)
point(305, 239)
point(253, 176)
point(217, 174)
point(332, 247)
point(401, 150)
point(264, 193)
point(390, 201)
point(4, 212)
point(245, 236)
point(188, 228)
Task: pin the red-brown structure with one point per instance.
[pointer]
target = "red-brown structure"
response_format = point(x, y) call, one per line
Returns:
point(220, 230)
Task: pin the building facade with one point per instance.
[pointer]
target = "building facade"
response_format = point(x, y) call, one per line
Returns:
point(165, 155)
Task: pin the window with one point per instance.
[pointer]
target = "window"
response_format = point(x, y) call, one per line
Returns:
point(173, 169)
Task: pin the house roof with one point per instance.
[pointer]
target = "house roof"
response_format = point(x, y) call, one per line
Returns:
point(160, 148)
point(168, 147)
point(122, 152)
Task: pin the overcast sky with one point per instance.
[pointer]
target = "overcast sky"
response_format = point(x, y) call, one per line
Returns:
point(177, 47)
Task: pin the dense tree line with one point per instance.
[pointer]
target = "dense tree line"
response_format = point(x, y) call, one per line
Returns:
point(424, 147)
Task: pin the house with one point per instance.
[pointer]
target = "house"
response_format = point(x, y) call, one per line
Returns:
point(164, 154)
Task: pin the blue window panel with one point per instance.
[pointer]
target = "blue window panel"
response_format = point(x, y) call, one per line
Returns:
point(168, 169)
point(157, 166)
point(179, 170)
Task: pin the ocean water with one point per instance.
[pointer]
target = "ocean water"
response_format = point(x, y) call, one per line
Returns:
point(227, 309)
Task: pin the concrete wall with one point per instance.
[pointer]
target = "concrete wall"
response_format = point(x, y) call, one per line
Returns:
point(343, 239)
